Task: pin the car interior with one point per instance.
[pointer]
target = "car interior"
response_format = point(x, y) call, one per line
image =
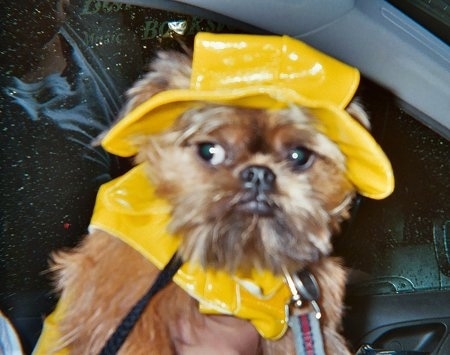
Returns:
point(65, 66)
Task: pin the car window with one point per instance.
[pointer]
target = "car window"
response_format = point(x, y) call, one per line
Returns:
point(401, 244)
point(65, 66)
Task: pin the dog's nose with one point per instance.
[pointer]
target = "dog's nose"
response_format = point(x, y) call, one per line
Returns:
point(258, 177)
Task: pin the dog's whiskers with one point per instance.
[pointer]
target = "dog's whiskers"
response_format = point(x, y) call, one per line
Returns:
point(247, 232)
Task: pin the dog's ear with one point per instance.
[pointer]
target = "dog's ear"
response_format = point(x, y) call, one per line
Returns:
point(356, 110)
point(169, 70)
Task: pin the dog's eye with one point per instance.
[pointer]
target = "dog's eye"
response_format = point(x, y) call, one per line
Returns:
point(211, 152)
point(301, 158)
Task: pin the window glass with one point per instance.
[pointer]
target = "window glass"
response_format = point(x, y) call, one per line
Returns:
point(64, 68)
point(401, 244)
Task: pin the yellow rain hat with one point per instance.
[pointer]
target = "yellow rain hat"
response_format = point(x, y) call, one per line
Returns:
point(266, 72)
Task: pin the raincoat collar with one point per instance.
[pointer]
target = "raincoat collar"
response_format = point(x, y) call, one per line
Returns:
point(128, 209)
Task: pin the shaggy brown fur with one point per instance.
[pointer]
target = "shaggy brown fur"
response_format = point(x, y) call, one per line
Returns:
point(222, 224)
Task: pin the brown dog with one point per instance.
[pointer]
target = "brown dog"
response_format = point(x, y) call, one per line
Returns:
point(248, 189)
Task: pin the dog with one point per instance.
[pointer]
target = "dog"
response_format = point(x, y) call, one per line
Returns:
point(246, 190)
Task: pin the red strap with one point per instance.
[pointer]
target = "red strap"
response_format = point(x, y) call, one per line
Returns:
point(307, 335)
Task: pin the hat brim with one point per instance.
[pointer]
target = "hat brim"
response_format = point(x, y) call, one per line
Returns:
point(367, 166)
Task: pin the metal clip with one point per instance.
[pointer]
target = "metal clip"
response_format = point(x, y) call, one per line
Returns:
point(304, 287)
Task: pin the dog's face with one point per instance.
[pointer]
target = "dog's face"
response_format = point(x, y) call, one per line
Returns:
point(249, 188)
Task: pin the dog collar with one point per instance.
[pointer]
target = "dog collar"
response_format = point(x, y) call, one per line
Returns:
point(266, 72)
point(128, 209)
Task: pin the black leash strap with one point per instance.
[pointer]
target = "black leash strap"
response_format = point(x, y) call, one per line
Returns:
point(121, 333)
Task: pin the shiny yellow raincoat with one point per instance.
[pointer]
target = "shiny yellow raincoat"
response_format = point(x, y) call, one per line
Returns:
point(267, 72)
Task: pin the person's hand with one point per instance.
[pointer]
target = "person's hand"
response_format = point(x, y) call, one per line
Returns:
point(217, 335)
